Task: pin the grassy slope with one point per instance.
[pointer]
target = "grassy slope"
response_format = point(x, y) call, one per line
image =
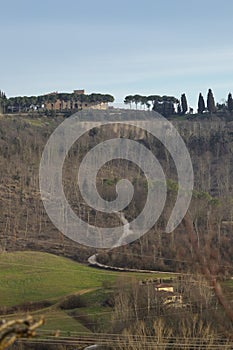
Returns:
point(36, 276)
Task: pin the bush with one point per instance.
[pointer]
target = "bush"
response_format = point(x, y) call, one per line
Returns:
point(72, 302)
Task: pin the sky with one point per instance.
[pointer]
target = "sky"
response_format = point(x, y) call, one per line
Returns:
point(162, 47)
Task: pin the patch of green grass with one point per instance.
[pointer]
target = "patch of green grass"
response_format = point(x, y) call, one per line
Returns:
point(95, 318)
point(36, 276)
point(95, 315)
point(55, 320)
point(60, 320)
point(229, 285)
point(96, 297)
point(110, 182)
point(96, 308)
point(34, 122)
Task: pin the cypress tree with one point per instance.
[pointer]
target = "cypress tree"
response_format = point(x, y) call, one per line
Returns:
point(1, 102)
point(184, 104)
point(230, 103)
point(179, 111)
point(201, 104)
point(210, 102)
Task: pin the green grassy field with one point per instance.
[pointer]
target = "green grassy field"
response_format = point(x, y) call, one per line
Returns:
point(35, 276)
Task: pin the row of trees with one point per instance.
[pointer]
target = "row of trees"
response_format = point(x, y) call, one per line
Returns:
point(2, 95)
point(83, 98)
point(170, 105)
point(166, 105)
point(24, 103)
point(149, 101)
point(211, 106)
point(161, 104)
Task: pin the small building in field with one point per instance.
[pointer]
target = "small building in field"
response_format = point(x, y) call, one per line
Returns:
point(164, 287)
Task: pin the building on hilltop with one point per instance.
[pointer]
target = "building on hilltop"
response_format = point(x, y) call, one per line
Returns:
point(61, 105)
point(61, 102)
point(79, 92)
point(78, 100)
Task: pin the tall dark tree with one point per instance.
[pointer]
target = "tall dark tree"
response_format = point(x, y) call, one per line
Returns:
point(201, 104)
point(164, 104)
point(210, 102)
point(184, 104)
point(230, 103)
point(144, 101)
point(128, 100)
point(168, 108)
point(153, 99)
point(179, 110)
point(3, 102)
point(136, 100)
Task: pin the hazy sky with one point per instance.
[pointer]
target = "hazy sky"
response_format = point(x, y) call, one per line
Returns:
point(119, 47)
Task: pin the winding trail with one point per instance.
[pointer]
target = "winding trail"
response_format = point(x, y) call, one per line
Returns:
point(92, 260)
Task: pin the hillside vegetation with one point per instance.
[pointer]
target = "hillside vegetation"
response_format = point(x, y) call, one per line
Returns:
point(24, 223)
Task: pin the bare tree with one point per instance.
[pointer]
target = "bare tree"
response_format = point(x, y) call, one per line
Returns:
point(205, 258)
point(12, 330)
